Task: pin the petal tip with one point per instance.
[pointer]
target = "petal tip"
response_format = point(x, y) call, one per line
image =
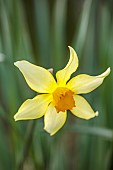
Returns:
point(109, 70)
point(96, 113)
point(16, 63)
point(15, 118)
point(72, 51)
point(105, 74)
point(46, 129)
point(51, 134)
point(70, 48)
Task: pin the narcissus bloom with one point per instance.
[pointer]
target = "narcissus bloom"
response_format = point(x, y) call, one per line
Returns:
point(55, 98)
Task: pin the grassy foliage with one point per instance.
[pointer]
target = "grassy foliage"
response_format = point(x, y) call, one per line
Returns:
point(40, 31)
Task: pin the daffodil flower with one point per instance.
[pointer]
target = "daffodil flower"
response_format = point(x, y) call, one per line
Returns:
point(56, 97)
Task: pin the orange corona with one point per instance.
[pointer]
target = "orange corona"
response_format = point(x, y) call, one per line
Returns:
point(63, 99)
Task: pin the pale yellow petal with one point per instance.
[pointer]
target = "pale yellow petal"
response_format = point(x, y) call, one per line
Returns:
point(38, 78)
point(54, 121)
point(64, 75)
point(82, 108)
point(33, 108)
point(84, 83)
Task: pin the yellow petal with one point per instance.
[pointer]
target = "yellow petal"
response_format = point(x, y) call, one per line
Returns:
point(54, 121)
point(33, 108)
point(38, 78)
point(84, 83)
point(82, 108)
point(64, 75)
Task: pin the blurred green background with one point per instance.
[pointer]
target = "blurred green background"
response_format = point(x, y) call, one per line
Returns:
point(40, 31)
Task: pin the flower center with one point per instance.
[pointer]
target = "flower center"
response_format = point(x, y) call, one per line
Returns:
point(63, 99)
